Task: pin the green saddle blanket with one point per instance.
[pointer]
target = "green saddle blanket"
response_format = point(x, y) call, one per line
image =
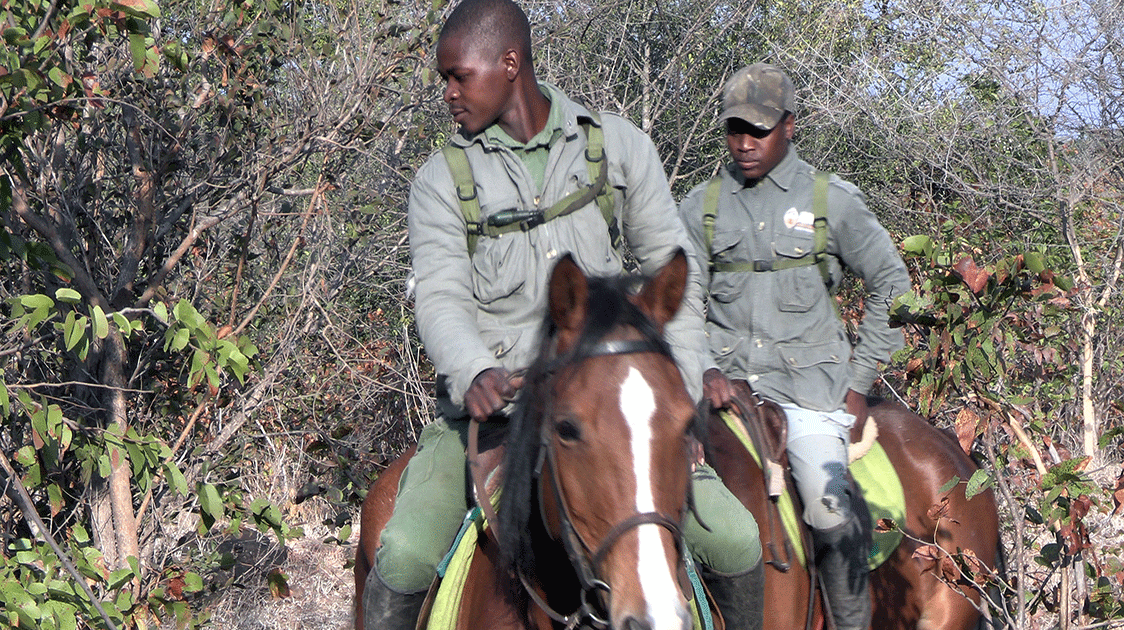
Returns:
point(452, 574)
point(876, 477)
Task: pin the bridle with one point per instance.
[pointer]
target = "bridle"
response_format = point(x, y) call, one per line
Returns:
point(584, 557)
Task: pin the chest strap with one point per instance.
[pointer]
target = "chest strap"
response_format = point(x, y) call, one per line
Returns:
point(818, 255)
point(515, 219)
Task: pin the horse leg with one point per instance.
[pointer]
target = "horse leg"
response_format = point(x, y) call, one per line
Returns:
point(906, 590)
point(376, 510)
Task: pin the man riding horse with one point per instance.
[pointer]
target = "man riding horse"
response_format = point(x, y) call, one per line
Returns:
point(529, 177)
point(771, 233)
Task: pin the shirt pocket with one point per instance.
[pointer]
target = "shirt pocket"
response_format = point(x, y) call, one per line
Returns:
point(500, 265)
point(817, 371)
point(727, 286)
point(801, 288)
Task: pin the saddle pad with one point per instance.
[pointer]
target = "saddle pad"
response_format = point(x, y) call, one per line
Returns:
point(881, 488)
point(452, 574)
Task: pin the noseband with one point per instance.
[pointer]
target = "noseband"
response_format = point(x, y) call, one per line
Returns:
point(584, 557)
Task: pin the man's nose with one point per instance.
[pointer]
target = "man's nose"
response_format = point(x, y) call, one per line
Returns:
point(743, 142)
point(450, 92)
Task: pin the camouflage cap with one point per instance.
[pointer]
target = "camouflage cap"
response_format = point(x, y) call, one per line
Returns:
point(759, 94)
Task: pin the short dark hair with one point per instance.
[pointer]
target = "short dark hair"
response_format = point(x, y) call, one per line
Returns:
point(498, 24)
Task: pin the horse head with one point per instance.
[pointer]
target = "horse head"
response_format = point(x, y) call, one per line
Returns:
point(609, 415)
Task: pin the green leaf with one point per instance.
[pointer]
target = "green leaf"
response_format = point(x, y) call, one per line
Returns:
point(161, 312)
point(176, 478)
point(1034, 261)
point(101, 324)
point(119, 578)
point(5, 402)
point(138, 49)
point(192, 582)
point(122, 323)
point(137, 8)
point(36, 301)
point(179, 340)
point(210, 502)
point(74, 330)
point(68, 295)
point(949, 485)
point(918, 245)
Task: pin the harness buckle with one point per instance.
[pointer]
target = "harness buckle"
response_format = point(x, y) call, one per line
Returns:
point(762, 265)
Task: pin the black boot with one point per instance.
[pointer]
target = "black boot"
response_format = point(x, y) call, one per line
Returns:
point(384, 609)
point(740, 598)
point(842, 555)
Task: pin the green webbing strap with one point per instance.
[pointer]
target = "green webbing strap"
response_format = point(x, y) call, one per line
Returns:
point(816, 257)
point(461, 171)
point(513, 220)
point(710, 214)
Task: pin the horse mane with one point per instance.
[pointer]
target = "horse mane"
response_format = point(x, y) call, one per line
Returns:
point(608, 309)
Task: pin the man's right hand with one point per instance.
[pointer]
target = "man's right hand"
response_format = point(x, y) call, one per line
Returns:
point(490, 392)
point(717, 388)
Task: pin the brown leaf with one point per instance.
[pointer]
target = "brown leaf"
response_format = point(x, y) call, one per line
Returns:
point(972, 275)
point(938, 510)
point(967, 428)
point(885, 525)
point(927, 557)
point(949, 571)
point(278, 584)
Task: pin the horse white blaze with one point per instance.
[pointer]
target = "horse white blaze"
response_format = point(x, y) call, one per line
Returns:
point(657, 577)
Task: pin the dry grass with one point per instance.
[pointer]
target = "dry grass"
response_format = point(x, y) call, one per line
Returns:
point(321, 590)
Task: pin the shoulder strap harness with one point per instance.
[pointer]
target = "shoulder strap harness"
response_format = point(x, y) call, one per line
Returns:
point(818, 256)
point(522, 220)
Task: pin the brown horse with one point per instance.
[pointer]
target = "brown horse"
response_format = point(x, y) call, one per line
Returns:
point(595, 472)
point(906, 591)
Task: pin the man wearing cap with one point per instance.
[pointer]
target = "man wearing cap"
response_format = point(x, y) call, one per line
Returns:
point(771, 318)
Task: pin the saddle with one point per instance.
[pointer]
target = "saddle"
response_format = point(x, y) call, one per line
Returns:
point(763, 433)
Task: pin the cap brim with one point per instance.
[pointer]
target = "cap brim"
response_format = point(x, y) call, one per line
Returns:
point(757, 115)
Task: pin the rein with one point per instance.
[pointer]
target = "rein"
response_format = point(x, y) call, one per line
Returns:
point(583, 557)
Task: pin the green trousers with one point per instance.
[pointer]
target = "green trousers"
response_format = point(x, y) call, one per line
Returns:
point(433, 499)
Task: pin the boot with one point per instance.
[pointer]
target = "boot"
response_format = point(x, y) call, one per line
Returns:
point(842, 554)
point(384, 609)
point(740, 597)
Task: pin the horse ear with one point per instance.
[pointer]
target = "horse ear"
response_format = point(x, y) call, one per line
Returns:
point(663, 293)
point(569, 291)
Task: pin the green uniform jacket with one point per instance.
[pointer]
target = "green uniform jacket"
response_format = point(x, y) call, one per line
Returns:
point(779, 329)
point(487, 311)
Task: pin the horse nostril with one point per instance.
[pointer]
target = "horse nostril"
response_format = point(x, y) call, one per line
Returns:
point(632, 623)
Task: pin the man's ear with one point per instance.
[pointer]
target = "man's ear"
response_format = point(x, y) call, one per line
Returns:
point(512, 62)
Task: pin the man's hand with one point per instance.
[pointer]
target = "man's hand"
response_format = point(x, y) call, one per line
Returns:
point(490, 391)
point(717, 389)
point(856, 406)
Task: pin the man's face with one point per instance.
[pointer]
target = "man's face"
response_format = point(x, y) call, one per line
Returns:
point(478, 84)
point(756, 151)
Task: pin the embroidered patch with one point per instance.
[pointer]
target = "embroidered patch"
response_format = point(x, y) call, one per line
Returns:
point(796, 220)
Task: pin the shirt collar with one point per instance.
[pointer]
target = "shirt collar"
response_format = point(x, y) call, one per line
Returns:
point(782, 174)
point(496, 135)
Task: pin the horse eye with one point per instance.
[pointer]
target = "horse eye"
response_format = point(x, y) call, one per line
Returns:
point(568, 431)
